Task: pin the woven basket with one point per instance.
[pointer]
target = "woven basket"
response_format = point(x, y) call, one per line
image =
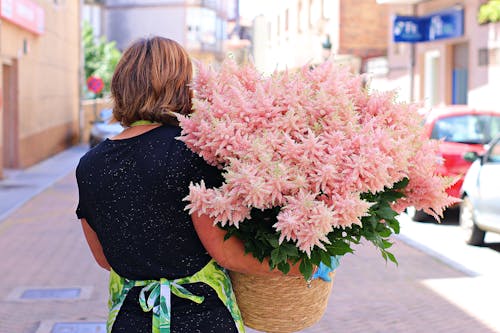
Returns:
point(281, 304)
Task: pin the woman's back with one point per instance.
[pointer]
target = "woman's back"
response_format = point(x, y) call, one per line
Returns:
point(131, 194)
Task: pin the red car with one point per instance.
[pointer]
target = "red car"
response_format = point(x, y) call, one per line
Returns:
point(462, 129)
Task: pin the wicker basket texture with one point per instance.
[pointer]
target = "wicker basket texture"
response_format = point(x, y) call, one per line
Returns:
point(280, 304)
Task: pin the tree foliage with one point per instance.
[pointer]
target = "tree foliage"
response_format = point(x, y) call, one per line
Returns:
point(489, 12)
point(100, 57)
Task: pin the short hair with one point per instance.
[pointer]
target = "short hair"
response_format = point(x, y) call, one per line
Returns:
point(151, 80)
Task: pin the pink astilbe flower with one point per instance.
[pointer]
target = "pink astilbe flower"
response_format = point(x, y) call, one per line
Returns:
point(311, 142)
point(306, 221)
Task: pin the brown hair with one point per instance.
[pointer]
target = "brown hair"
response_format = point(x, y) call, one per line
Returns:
point(150, 81)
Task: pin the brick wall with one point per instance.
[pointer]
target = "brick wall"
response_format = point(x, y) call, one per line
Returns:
point(363, 28)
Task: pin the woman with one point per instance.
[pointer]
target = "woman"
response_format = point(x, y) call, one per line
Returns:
point(130, 205)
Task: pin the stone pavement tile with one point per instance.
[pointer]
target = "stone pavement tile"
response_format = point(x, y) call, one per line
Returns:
point(41, 244)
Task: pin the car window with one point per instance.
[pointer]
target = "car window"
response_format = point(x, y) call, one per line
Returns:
point(467, 128)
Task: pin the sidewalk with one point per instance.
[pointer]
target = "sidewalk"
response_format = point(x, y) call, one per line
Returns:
point(21, 186)
point(41, 246)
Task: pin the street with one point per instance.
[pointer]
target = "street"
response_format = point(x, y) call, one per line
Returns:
point(440, 285)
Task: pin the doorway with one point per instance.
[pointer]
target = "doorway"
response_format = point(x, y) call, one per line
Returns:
point(10, 119)
point(460, 74)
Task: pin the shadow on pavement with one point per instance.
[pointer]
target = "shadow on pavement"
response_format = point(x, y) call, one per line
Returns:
point(451, 216)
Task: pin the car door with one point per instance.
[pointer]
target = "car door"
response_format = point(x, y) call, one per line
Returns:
point(488, 205)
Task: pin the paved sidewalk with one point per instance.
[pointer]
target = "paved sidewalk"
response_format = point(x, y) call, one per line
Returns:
point(20, 186)
point(41, 245)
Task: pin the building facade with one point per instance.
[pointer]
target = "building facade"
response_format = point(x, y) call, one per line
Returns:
point(293, 33)
point(458, 62)
point(201, 26)
point(40, 54)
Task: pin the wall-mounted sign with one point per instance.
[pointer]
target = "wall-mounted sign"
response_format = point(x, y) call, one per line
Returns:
point(95, 84)
point(24, 13)
point(441, 25)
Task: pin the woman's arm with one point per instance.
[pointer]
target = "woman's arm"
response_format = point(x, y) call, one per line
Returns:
point(95, 245)
point(231, 253)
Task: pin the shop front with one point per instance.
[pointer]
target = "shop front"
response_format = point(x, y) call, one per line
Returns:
point(435, 52)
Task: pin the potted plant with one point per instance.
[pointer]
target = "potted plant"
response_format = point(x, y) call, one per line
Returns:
point(313, 162)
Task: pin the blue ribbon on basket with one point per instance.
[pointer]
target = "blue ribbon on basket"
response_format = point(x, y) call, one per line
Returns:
point(323, 271)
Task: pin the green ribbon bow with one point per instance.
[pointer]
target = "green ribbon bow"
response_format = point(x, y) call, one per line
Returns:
point(158, 301)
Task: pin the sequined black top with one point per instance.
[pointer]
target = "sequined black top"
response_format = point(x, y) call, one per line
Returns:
point(131, 193)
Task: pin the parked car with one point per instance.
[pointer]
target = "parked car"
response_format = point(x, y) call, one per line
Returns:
point(480, 192)
point(461, 129)
point(103, 127)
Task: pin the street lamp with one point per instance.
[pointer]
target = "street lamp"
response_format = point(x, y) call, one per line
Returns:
point(327, 48)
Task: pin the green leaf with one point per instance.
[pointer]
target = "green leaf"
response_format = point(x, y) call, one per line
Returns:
point(306, 268)
point(289, 249)
point(284, 267)
point(391, 196)
point(338, 248)
point(394, 224)
point(326, 258)
point(386, 244)
point(386, 232)
point(392, 257)
point(315, 257)
point(275, 256)
point(273, 241)
point(386, 213)
point(401, 184)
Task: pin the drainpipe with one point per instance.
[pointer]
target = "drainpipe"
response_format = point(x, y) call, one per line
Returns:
point(412, 61)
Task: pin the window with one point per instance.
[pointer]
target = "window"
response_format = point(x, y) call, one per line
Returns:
point(472, 129)
point(278, 26)
point(299, 21)
point(287, 12)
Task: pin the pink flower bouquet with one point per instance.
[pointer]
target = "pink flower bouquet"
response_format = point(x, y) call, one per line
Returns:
point(313, 162)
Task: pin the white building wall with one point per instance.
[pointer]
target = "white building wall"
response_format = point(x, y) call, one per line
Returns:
point(290, 34)
point(485, 81)
point(124, 25)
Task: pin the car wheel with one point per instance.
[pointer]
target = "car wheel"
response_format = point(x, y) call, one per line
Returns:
point(473, 235)
point(417, 215)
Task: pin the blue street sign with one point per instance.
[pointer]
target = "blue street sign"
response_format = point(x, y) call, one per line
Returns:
point(440, 25)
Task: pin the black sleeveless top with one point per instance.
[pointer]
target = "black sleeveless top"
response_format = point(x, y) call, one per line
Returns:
point(131, 193)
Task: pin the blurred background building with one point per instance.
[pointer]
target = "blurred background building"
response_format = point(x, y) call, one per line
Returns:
point(40, 55)
point(431, 51)
point(289, 34)
point(443, 52)
point(201, 26)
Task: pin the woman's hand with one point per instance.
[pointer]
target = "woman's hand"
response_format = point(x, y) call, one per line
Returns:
point(230, 253)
